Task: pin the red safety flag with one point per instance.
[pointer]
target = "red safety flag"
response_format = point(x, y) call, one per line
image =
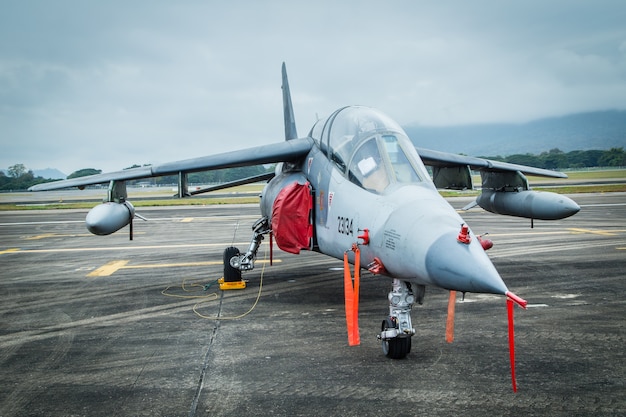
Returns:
point(351, 294)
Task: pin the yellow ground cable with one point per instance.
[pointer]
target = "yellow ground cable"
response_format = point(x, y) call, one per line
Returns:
point(241, 315)
point(165, 293)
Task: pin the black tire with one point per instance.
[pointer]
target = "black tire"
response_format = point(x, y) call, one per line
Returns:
point(231, 274)
point(387, 324)
point(398, 347)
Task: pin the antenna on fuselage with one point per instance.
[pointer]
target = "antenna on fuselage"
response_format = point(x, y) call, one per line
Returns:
point(290, 120)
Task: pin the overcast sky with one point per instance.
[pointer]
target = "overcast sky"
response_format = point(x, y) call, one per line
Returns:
point(109, 84)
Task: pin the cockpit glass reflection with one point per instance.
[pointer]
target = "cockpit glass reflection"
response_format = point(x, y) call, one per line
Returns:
point(367, 168)
point(402, 168)
point(369, 148)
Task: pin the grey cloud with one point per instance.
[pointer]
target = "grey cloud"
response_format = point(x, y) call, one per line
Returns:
point(110, 84)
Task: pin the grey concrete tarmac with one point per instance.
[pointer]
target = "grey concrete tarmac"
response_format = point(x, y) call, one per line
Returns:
point(104, 326)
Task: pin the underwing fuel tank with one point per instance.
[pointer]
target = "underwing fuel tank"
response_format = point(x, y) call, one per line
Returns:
point(109, 217)
point(529, 204)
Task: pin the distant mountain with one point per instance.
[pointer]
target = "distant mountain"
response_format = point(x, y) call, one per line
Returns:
point(49, 173)
point(595, 130)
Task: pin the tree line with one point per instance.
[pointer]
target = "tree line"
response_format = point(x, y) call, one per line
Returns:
point(18, 177)
point(557, 159)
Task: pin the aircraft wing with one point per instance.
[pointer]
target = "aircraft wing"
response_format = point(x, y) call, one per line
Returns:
point(448, 160)
point(278, 152)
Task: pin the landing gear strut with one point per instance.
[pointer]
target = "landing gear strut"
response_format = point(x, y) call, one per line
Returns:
point(396, 330)
point(236, 262)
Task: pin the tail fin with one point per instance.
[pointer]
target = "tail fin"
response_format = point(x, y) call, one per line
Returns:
point(290, 120)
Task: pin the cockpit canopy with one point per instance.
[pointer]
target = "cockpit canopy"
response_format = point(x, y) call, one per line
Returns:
point(371, 149)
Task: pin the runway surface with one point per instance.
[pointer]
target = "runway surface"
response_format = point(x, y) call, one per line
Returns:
point(104, 326)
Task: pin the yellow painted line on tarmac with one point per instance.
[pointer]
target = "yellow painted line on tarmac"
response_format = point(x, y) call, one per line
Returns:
point(10, 250)
point(567, 231)
point(110, 268)
point(107, 269)
point(533, 232)
point(50, 235)
point(44, 236)
point(181, 264)
point(114, 248)
point(187, 220)
point(172, 265)
point(593, 232)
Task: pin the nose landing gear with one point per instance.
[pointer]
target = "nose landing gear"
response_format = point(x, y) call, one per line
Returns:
point(396, 330)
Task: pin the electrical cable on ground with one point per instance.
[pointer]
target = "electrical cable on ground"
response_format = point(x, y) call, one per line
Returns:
point(183, 287)
point(212, 296)
point(241, 315)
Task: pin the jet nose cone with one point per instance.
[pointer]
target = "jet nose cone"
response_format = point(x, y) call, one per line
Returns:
point(462, 266)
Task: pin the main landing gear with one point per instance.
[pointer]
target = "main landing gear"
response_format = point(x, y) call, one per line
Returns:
point(396, 330)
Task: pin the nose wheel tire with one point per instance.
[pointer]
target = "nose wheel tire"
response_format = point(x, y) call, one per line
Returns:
point(397, 347)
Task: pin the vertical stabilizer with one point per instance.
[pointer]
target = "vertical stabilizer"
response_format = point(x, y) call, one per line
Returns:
point(290, 120)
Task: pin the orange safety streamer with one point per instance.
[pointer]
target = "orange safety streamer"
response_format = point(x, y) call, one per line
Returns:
point(351, 293)
point(512, 298)
point(509, 307)
point(450, 320)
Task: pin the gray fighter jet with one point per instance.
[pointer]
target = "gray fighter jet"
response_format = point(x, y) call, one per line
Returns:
point(355, 188)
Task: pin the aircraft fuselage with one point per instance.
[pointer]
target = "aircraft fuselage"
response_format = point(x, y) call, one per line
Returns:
point(411, 230)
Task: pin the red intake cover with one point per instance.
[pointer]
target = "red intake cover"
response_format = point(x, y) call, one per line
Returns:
point(291, 223)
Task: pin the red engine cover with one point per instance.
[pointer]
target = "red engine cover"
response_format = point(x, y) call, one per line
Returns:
point(291, 218)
